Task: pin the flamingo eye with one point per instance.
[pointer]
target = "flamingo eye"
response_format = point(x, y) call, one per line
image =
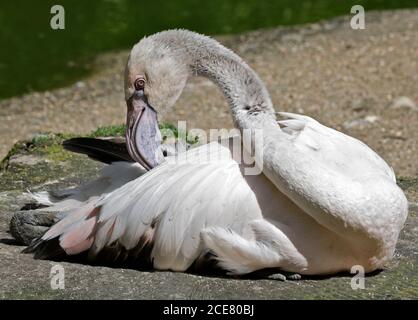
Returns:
point(139, 84)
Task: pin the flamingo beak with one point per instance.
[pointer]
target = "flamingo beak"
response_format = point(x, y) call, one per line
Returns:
point(143, 138)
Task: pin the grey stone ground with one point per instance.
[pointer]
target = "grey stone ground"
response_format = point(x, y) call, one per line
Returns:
point(49, 167)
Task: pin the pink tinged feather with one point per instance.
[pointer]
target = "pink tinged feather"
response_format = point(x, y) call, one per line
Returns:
point(147, 238)
point(102, 236)
point(118, 229)
point(149, 235)
point(71, 218)
point(79, 238)
point(80, 247)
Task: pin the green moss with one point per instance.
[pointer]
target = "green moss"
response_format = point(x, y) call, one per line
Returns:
point(408, 183)
point(410, 186)
point(54, 163)
point(109, 131)
point(14, 150)
point(50, 144)
point(49, 139)
point(57, 153)
point(169, 130)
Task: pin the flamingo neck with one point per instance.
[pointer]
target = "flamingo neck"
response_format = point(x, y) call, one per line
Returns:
point(249, 101)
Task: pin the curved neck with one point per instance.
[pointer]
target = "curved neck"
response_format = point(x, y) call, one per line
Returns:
point(247, 96)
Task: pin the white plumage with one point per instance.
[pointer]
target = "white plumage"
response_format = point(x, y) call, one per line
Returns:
point(248, 222)
point(324, 202)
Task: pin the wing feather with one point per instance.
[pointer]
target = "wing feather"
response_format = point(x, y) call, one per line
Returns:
point(169, 206)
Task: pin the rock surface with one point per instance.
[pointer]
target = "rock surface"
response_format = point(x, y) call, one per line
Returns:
point(326, 70)
point(22, 277)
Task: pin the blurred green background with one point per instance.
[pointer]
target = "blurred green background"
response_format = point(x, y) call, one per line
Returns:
point(34, 57)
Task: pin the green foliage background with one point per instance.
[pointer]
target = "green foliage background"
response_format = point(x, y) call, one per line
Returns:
point(35, 57)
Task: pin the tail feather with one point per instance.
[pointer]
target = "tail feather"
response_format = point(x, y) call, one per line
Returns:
point(46, 250)
point(70, 219)
point(72, 235)
point(103, 150)
point(79, 238)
